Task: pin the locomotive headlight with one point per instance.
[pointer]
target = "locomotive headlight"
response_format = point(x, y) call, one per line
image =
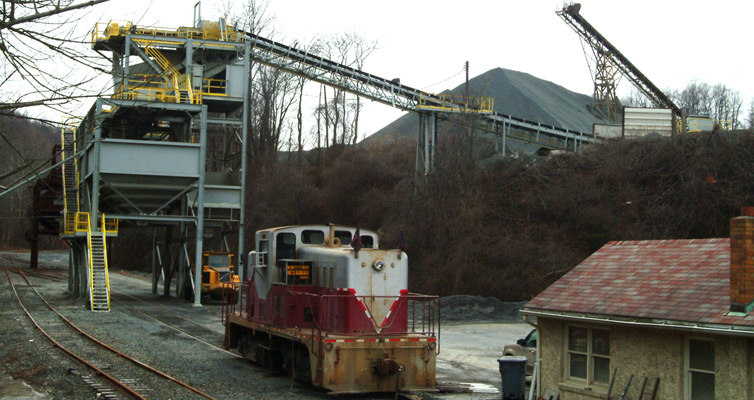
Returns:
point(378, 265)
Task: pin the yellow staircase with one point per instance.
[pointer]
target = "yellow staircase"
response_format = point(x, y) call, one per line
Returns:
point(70, 179)
point(99, 278)
point(181, 84)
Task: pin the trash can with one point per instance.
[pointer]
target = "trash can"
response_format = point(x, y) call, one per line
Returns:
point(513, 374)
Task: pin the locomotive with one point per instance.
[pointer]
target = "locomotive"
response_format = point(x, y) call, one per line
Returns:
point(330, 307)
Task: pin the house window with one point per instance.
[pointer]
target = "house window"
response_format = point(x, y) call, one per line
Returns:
point(700, 369)
point(588, 353)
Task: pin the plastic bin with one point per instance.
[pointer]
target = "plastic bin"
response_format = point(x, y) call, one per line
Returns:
point(513, 374)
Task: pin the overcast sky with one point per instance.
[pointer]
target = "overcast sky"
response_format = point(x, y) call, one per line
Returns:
point(425, 42)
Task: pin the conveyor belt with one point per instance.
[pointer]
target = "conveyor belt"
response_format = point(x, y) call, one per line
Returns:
point(570, 14)
point(392, 92)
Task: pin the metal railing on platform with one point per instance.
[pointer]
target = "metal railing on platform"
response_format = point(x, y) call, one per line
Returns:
point(212, 31)
point(109, 225)
point(454, 103)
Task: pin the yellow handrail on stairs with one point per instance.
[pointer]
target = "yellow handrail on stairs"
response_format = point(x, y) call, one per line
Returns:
point(107, 267)
point(84, 220)
point(68, 226)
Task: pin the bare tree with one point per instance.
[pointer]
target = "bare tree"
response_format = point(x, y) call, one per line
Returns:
point(34, 34)
point(635, 98)
point(350, 49)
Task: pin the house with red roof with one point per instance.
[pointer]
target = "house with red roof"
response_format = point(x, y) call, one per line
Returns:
point(672, 316)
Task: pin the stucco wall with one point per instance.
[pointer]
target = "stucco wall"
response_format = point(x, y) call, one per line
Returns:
point(649, 353)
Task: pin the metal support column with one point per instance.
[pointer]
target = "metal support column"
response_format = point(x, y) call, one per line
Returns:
point(244, 136)
point(71, 273)
point(83, 270)
point(126, 57)
point(155, 271)
point(505, 133)
point(34, 251)
point(200, 208)
point(425, 149)
point(167, 262)
point(183, 258)
point(96, 173)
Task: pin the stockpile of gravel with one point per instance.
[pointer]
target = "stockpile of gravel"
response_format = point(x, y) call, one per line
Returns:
point(517, 94)
point(464, 308)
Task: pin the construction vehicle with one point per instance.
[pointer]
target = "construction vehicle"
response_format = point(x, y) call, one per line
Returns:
point(219, 277)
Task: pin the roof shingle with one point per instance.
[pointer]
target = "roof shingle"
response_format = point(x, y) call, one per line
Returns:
point(683, 280)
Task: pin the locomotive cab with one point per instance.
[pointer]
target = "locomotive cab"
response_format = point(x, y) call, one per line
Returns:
point(345, 306)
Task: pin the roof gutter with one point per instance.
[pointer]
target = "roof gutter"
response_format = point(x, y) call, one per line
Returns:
point(661, 324)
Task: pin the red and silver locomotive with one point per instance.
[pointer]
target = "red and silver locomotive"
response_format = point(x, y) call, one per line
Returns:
point(335, 313)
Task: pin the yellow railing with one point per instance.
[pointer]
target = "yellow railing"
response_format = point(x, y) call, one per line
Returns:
point(453, 103)
point(214, 87)
point(91, 258)
point(109, 225)
point(83, 223)
point(107, 267)
point(68, 223)
point(161, 94)
point(212, 31)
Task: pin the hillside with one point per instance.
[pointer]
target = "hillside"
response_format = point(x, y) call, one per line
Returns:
point(517, 94)
point(510, 229)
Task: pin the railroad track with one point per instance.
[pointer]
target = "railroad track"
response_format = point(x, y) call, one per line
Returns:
point(166, 317)
point(123, 373)
point(196, 331)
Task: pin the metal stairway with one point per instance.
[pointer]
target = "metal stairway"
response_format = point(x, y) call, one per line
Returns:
point(99, 278)
point(70, 180)
point(181, 84)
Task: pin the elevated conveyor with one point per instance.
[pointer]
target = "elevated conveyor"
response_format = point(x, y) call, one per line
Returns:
point(571, 16)
point(390, 92)
point(393, 93)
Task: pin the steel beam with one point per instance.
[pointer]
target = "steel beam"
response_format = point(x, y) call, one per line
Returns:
point(244, 137)
point(200, 208)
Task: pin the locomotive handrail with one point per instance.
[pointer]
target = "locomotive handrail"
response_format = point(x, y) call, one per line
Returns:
point(229, 307)
point(429, 315)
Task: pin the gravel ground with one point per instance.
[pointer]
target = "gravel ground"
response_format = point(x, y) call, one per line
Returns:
point(474, 332)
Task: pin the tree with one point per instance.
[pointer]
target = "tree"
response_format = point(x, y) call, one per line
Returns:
point(635, 98)
point(33, 34)
point(718, 102)
point(350, 49)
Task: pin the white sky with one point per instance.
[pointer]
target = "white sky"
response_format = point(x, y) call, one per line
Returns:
point(424, 42)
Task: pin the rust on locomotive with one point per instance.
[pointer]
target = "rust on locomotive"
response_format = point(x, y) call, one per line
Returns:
point(330, 307)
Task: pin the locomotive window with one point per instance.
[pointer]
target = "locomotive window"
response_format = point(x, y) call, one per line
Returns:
point(367, 242)
point(285, 246)
point(312, 237)
point(344, 236)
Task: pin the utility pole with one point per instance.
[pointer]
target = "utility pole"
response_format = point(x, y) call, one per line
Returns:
point(467, 84)
point(468, 115)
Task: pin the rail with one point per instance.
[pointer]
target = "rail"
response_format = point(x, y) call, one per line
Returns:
point(119, 384)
